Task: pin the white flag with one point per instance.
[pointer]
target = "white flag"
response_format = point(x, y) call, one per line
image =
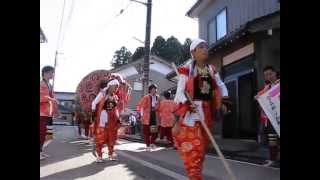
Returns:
point(270, 103)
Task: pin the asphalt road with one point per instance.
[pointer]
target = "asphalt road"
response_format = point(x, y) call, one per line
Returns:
point(71, 158)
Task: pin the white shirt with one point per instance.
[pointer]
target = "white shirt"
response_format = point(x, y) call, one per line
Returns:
point(103, 118)
point(154, 101)
point(97, 100)
point(191, 118)
point(221, 85)
point(132, 119)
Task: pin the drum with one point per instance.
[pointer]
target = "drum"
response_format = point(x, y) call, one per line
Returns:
point(89, 87)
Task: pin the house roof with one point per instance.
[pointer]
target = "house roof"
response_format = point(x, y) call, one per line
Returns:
point(152, 57)
point(43, 38)
point(197, 8)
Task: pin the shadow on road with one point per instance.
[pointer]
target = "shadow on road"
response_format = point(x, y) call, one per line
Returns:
point(158, 158)
point(80, 172)
point(61, 151)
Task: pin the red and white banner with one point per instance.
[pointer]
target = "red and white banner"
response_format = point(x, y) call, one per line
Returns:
point(270, 103)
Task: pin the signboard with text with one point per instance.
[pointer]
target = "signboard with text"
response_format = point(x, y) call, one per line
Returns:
point(270, 103)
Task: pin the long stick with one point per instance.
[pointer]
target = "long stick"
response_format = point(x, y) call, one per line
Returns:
point(93, 151)
point(204, 125)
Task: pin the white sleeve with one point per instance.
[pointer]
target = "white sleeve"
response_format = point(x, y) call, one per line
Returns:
point(96, 101)
point(180, 96)
point(221, 85)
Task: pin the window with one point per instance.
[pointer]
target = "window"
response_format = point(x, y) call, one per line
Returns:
point(137, 86)
point(221, 20)
point(212, 31)
point(217, 27)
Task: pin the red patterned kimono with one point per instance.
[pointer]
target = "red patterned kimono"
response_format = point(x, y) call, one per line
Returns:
point(191, 140)
point(167, 119)
point(149, 117)
point(107, 133)
point(123, 94)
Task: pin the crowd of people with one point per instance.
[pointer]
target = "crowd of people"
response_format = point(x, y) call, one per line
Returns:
point(200, 93)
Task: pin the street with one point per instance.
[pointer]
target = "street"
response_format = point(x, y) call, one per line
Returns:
point(71, 158)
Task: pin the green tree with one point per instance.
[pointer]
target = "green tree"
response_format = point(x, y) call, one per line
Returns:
point(139, 53)
point(173, 51)
point(121, 57)
point(186, 50)
point(158, 46)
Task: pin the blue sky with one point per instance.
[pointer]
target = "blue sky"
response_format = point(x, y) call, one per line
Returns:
point(93, 30)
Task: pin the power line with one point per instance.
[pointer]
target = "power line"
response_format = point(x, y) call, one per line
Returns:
point(58, 43)
point(61, 25)
point(122, 10)
point(68, 21)
point(117, 15)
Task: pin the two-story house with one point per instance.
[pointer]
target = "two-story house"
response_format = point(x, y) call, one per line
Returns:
point(243, 37)
point(66, 107)
point(133, 71)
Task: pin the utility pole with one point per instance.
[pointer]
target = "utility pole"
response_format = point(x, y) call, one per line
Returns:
point(55, 65)
point(145, 80)
point(147, 49)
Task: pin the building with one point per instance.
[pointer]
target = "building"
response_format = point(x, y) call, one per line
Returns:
point(66, 107)
point(43, 38)
point(132, 73)
point(243, 37)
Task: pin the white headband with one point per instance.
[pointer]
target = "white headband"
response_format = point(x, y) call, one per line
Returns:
point(117, 75)
point(195, 43)
point(111, 83)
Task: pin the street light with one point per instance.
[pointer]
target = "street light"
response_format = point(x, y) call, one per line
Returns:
point(135, 38)
point(147, 45)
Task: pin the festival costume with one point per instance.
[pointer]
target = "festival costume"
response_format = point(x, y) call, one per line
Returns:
point(148, 106)
point(205, 88)
point(167, 118)
point(47, 110)
point(123, 94)
point(107, 121)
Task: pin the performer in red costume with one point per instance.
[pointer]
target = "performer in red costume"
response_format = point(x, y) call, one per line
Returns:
point(148, 107)
point(167, 118)
point(48, 106)
point(202, 82)
point(107, 119)
point(123, 92)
